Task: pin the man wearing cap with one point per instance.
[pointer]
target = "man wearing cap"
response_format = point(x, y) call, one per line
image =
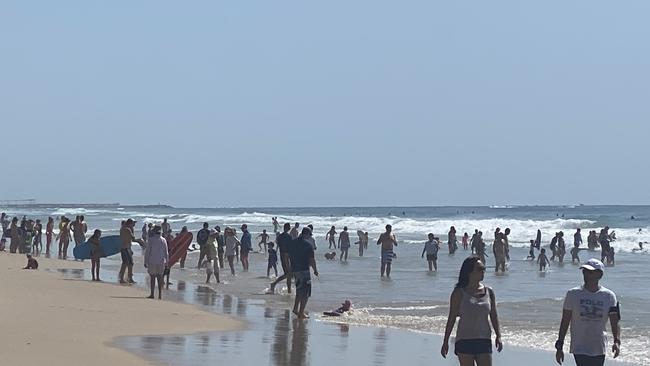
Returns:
point(586, 309)
point(127, 237)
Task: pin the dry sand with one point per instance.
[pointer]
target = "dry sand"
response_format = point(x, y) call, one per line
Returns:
point(48, 320)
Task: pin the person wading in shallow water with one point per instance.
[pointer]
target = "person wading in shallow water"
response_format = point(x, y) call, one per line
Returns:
point(475, 305)
point(387, 242)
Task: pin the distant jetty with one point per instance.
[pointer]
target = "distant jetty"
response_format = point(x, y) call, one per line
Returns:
point(30, 203)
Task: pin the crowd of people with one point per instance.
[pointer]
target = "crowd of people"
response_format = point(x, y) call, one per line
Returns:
point(471, 302)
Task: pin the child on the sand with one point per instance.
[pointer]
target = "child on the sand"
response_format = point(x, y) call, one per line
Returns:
point(32, 263)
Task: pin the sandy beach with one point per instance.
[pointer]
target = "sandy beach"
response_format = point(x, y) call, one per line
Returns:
point(47, 319)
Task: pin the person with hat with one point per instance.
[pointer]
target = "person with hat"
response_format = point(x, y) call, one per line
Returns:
point(127, 237)
point(587, 309)
point(156, 256)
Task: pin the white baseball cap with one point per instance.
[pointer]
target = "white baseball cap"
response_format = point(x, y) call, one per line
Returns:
point(593, 264)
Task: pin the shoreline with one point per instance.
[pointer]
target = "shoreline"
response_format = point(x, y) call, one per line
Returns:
point(78, 321)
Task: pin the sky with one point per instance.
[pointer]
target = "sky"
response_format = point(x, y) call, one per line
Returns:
point(336, 103)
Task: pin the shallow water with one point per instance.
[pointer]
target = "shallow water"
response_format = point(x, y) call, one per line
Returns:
point(529, 301)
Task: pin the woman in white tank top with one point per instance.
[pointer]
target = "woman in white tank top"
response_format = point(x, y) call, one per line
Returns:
point(473, 303)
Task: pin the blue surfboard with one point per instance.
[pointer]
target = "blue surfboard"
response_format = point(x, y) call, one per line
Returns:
point(110, 246)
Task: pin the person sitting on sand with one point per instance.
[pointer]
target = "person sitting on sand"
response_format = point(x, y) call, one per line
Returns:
point(96, 253)
point(542, 259)
point(32, 263)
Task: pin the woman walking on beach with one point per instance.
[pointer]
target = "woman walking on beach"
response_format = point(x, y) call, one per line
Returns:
point(473, 303)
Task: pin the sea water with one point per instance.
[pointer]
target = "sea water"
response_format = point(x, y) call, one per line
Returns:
point(530, 302)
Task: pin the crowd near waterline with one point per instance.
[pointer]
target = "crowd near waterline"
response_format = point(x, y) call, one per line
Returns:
point(294, 247)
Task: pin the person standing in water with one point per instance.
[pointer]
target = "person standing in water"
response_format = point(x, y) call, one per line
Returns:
point(542, 260)
point(431, 248)
point(331, 237)
point(231, 245)
point(499, 250)
point(202, 239)
point(476, 307)
point(388, 242)
point(452, 241)
point(577, 238)
point(587, 309)
point(465, 241)
point(561, 247)
point(246, 246)
point(344, 243)
point(284, 245)
point(276, 224)
point(603, 240)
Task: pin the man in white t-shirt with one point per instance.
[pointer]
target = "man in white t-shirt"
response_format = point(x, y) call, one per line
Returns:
point(586, 309)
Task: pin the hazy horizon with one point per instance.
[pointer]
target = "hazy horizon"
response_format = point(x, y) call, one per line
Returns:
point(370, 103)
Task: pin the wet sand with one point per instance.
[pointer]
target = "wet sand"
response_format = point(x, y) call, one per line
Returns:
point(276, 337)
point(49, 319)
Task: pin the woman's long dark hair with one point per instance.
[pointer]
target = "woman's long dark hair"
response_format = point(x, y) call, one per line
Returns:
point(468, 266)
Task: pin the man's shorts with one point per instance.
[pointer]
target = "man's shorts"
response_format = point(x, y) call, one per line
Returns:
point(303, 284)
point(432, 257)
point(156, 269)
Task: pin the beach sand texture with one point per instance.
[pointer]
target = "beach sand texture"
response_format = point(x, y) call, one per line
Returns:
point(49, 320)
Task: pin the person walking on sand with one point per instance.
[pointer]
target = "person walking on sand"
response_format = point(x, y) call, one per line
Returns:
point(96, 253)
point(302, 257)
point(387, 242)
point(127, 237)
point(431, 248)
point(331, 237)
point(284, 245)
point(156, 256)
point(587, 309)
point(344, 243)
point(476, 307)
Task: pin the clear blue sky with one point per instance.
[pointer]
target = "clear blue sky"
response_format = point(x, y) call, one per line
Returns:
point(294, 103)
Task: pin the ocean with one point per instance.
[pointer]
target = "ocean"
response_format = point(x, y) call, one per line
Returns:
point(530, 302)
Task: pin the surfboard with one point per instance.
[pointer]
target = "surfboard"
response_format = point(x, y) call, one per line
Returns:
point(111, 245)
point(178, 247)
